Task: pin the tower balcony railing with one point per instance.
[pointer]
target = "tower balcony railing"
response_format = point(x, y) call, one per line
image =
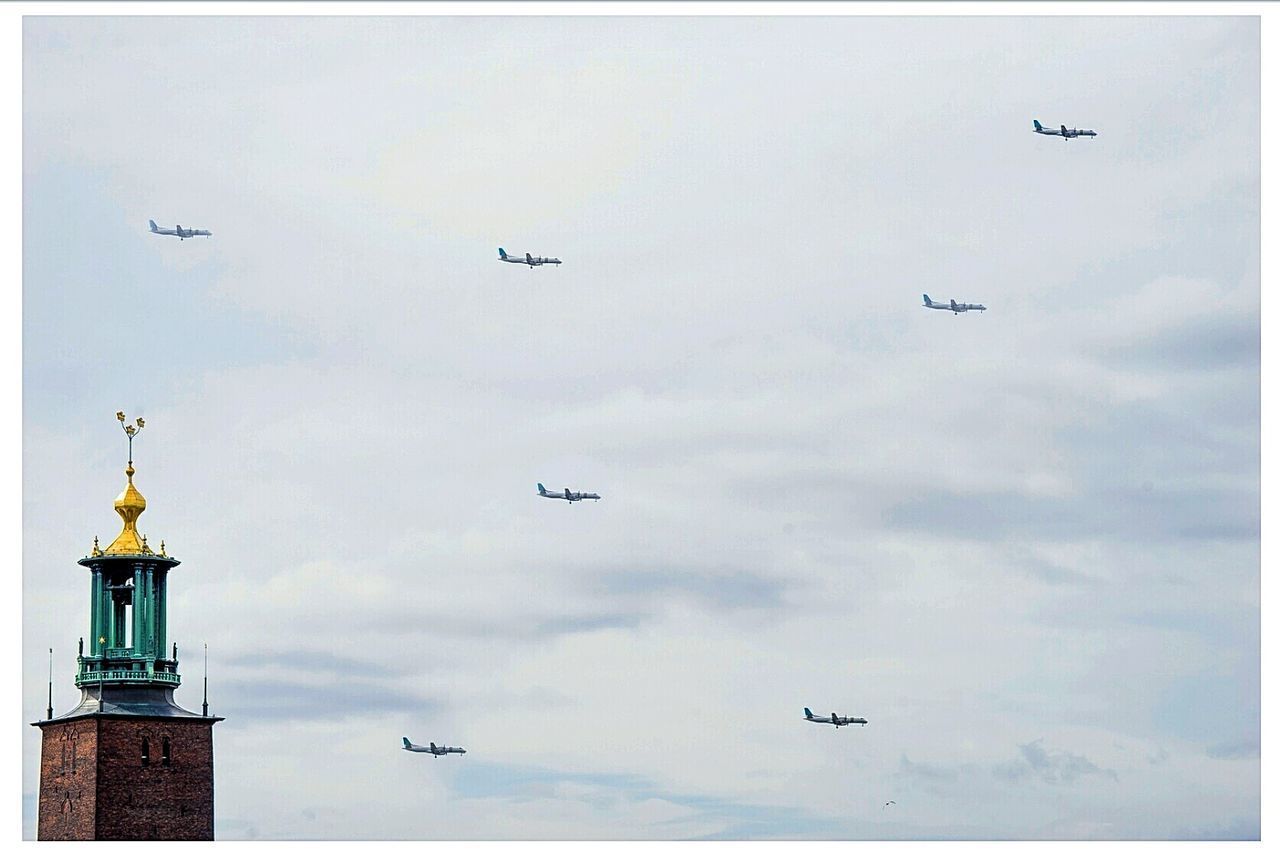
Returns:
point(116, 654)
point(88, 678)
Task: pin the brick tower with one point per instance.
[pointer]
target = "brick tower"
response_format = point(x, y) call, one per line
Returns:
point(127, 763)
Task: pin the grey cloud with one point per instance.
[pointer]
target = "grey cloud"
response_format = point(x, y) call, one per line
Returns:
point(1209, 433)
point(1057, 767)
point(1237, 750)
point(739, 819)
point(1212, 342)
point(1205, 513)
point(1052, 573)
point(521, 627)
point(247, 700)
point(505, 781)
point(730, 590)
point(1239, 828)
point(320, 662)
point(568, 624)
point(926, 771)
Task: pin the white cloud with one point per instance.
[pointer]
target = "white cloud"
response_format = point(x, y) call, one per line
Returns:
point(1029, 527)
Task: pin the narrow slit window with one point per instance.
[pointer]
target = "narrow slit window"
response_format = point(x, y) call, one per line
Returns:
point(146, 751)
point(166, 753)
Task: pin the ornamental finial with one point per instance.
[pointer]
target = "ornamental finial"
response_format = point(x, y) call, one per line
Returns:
point(129, 504)
point(131, 430)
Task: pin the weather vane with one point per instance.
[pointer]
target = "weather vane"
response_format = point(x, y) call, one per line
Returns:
point(132, 430)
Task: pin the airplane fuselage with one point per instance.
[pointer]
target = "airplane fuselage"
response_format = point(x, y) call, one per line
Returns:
point(433, 749)
point(837, 720)
point(531, 260)
point(1063, 131)
point(179, 232)
point(953, 306)
point(568, 495)
point(572, 497)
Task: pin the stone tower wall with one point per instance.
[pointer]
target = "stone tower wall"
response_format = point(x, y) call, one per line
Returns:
point(94, 784)
point(156, 800)
point(68, 780)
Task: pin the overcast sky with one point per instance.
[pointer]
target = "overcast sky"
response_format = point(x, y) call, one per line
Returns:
point(1024, 544)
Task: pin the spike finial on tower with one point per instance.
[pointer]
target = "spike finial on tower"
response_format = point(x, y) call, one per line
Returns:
point(204, 711)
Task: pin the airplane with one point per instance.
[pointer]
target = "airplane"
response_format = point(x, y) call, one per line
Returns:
point(432, 748)
point(528, 259)
point(179, 231)
point(568, 496)
point(1066, 133)
point(954, 306)
point(838, 721)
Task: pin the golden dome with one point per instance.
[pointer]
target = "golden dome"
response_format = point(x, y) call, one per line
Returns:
point(129, 505)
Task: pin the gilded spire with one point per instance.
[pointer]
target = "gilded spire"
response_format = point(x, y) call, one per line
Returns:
point(129, 504)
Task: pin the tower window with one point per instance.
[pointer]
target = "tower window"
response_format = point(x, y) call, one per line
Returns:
point(146, 751)
point(165, 753)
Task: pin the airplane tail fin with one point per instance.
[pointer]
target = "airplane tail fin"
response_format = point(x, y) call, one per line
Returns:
point(502, 253)
point(927, 301)
point(808, 713)
point(542, 491)
point(1036, 122)
point(154, 227)
point(406, 741)
point(433, 746)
